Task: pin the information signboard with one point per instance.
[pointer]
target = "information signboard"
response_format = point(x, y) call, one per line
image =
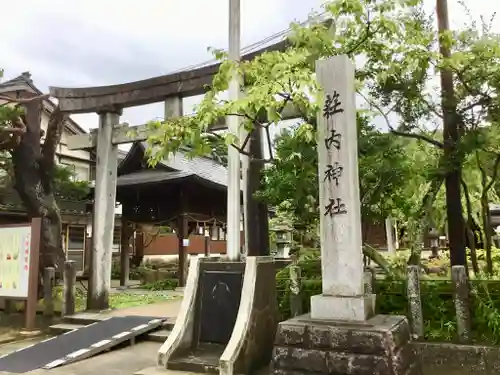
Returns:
point(15, 254)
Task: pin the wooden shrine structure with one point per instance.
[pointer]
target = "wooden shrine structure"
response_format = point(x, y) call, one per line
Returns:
point(179, 192)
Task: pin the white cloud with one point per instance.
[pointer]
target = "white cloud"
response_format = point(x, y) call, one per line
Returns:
point(99, 42)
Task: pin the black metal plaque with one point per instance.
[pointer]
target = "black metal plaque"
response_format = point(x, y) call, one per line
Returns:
point(220, 300)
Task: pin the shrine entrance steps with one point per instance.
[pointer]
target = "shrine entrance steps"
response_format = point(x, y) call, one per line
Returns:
point(203, 359)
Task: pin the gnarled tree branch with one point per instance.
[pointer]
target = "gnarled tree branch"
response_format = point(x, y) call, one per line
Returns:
point(52, 139)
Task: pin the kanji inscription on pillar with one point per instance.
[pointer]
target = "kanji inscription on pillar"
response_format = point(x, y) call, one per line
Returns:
point(340, 211)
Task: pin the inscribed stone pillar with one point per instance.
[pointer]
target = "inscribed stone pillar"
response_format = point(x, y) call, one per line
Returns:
point(343, 295)
point(341, 317)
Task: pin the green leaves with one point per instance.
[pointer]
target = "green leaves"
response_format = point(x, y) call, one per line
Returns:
point(390, 35)
point(9, 113)
point(385, 169)
point(66, 185)
point(394, 46)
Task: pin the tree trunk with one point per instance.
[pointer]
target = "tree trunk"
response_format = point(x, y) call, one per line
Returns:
point(33, 167)
point(378, 259)
point(451, 141)
point(423, 220)
point(485, 216)
point(470, 230)
point(257, 211)
point(487, 233)
point(485, 210)
point(139, 248)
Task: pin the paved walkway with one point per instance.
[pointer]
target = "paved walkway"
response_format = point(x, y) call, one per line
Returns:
point(139, 359)
point(126, 361)
point(168, 309)
point(117, 362)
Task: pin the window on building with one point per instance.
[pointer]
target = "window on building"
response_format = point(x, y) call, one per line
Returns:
point(92, 173)
point(75, 245)
point(81, 172)
point(76, 237)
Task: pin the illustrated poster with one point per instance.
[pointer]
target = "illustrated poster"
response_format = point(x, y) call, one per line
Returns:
point(15, 249)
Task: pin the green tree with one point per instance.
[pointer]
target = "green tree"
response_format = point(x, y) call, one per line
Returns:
point(33, 166)
point(291, 182)
point(480, 173)
point(67, 186)
point(276, 79)
point(397, 50)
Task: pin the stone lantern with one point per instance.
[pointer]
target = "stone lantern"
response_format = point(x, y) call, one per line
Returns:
point(283, 240)
point(434, 242)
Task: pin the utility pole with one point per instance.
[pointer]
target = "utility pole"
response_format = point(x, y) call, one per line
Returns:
point(451, 140)
point(233, 183)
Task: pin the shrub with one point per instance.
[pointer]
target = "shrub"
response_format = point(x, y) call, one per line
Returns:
point(165, 284)
point(134, 273)
point(437, 302)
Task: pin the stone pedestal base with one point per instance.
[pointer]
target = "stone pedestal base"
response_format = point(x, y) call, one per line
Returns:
point(379, 346)
point(359, 308)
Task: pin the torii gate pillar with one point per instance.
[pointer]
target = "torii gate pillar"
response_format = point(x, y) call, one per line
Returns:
point(103, 220)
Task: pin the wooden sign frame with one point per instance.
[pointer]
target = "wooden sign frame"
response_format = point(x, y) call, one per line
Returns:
point(31, 301)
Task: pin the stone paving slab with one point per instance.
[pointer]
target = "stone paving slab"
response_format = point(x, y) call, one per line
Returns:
point(138, 359)
point(159, 371)
point(125, 361)
point(153, 370)
point(134, 360)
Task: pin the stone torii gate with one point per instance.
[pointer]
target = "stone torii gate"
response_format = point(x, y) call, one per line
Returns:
point(106, 140)
point(108, 102)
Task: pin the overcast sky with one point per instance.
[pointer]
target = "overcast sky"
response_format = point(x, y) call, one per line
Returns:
point(100, 42)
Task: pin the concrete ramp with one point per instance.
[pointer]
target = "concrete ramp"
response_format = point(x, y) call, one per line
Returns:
point(78, 344)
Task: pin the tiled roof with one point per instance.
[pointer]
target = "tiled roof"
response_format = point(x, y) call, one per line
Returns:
point(149, 177)
point(25, 78)
point(179, 166)
point(205, 168)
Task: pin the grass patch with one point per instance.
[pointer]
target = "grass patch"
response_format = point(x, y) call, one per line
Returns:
point(118, 300)
point(124, 300)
